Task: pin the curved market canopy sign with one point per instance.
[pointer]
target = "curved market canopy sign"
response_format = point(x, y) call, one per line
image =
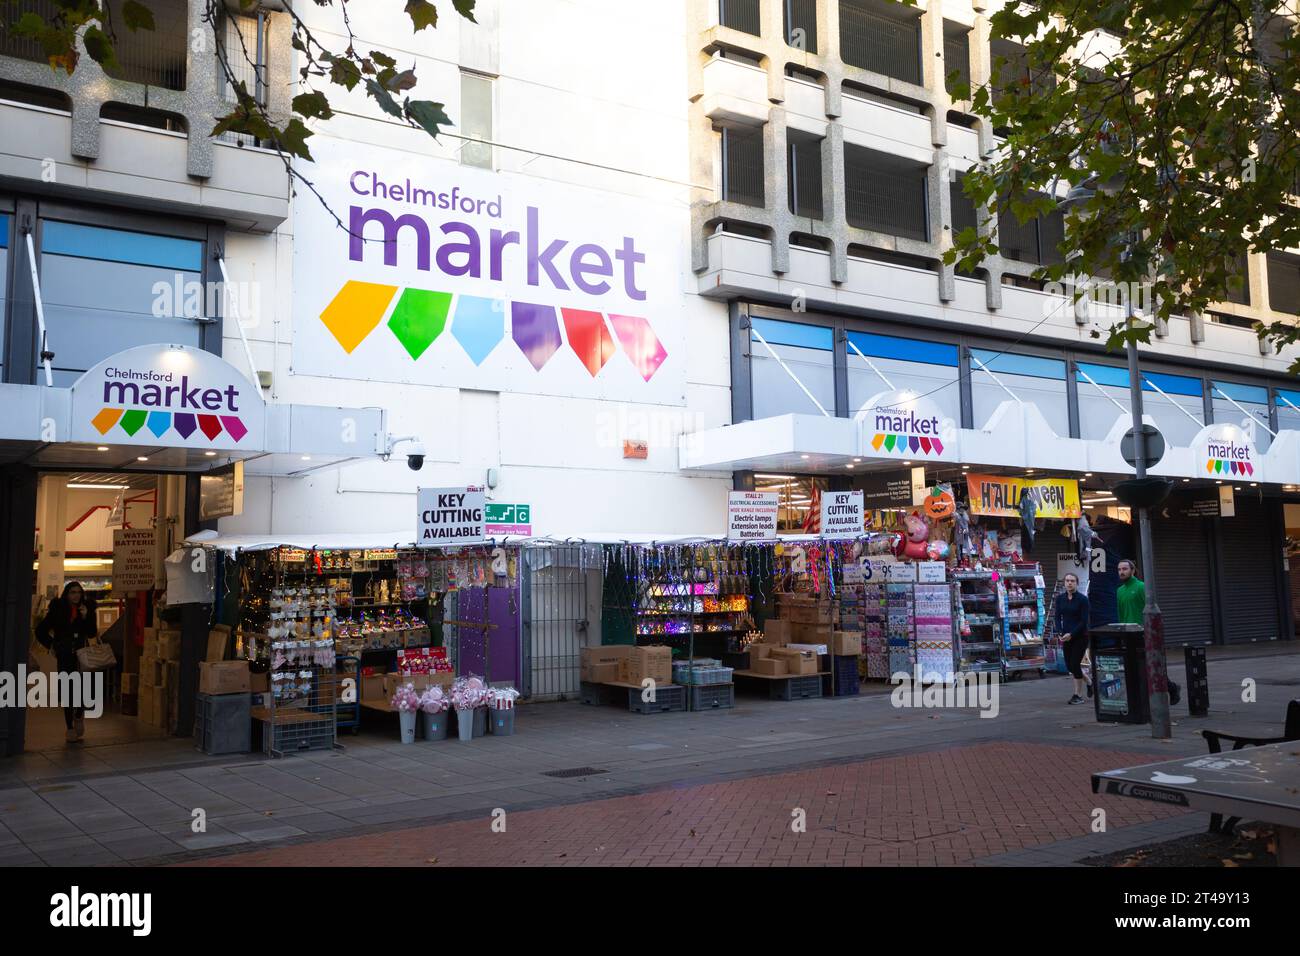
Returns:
point(1224, 451)
point(443, 274)
point(168, 395)
point(903, 424)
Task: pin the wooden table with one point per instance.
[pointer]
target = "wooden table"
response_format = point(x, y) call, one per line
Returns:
point(1255, 783)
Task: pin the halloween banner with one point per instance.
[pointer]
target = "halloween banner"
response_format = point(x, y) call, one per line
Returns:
point(999, 495)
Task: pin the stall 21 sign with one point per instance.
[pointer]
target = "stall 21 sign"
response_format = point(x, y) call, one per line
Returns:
point(1000, 496)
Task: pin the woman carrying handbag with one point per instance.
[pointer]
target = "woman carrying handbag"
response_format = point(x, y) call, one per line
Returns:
point(67, 627)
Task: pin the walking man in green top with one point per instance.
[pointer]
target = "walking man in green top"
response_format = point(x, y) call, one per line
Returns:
point(1130, 596)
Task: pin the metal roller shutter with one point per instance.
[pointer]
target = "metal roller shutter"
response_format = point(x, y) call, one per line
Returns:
point(1249, 573)
point(1183, 581)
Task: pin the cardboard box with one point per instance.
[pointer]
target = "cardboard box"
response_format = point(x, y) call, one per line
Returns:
point(151, 672)
point(169, 645)
point(172, 676)
point(130, 684)
point(144, 706)
point(846, 643)
point(372, 686)
point(758, 652)
point(770, 666)
point(224, 677)
point(815, 648)
point(218, 641)
point(810, 634)
point(796, 662)
point(259, 683)
point(419, 681)
point(600, 665)
point(655, 663)
point(776, 632)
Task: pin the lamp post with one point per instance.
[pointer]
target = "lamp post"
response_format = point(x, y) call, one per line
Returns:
point(1153, 627)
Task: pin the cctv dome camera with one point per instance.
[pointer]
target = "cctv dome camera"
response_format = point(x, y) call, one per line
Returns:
point(415, 457)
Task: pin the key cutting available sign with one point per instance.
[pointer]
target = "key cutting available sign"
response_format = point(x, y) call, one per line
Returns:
point(842, 514)
point(133, 559)
point(450, 275)
point(752, 515)
point(450, 516)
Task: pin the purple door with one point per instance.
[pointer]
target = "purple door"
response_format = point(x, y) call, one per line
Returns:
point(500, 606)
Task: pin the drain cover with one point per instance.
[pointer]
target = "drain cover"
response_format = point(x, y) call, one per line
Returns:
point(573, 772)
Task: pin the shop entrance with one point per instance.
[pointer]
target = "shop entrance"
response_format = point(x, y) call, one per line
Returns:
point(69, 538)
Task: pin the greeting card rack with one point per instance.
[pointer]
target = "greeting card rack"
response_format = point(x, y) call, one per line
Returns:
point(979, 621)
point(1021, 599)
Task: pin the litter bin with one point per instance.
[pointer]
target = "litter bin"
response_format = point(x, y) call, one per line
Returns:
point(1119, 674)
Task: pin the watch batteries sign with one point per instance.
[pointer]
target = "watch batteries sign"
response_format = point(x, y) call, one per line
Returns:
point(752, 515)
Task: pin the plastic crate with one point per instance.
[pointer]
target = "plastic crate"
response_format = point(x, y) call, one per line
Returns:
point(223, 724)
point(846, 685)
point(796, 688)
point(280, 738)
point(596, 694)
point(715, 697)
point(666, 700)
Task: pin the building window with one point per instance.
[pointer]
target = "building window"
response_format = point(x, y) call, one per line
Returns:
point(882, 38)
point(956, 58)
point(1239, 293)
point(742, 166)
point(801, 24)
point(1288, 409)
point(476, 119)
point(888, 361)
point(1178, 416)
point(6, 223)
point(156, 57)
point(808, 354)
point(1253, 399)
point(1036, 241)
point(25, 48)
point(805, 174)
point(885, 193)
point(1284, 282)
point(963, 209)
point(245, 42)
point(106, 290)
point(796, 497)
point(740, 15)
point(1038, 381)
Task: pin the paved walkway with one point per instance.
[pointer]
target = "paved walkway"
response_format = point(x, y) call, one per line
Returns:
point(135, 803)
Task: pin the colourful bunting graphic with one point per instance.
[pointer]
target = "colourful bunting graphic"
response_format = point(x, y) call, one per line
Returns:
point(355, 311)
point(106, 419)
point(877, 442)
point(536, 331)
point(419, 318)
point(234, 427)
point(479, 326)
point(640, 343)
point(133, 421)
point(184, 424)
point(588, 338)
point(159, 423)
point(906, 443)
point(209, 425)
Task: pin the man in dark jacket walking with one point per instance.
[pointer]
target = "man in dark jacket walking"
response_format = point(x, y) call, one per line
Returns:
point(68, 624)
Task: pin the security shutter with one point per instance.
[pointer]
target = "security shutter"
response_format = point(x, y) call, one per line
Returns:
point(1183, 581)
point(1249, 573)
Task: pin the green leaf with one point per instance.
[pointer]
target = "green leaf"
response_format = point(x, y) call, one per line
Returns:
point(312, 105)
point(422, 13)
point(401, 82)
point(466, 8)
point(383, 59)
point(29, 25)
point(427, 115)
point(137, 16)
point(292, 139)
point(100, 47)
point(384, 99)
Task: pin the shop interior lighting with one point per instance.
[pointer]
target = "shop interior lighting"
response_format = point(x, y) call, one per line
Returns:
point(84, 487)
point(102, 448)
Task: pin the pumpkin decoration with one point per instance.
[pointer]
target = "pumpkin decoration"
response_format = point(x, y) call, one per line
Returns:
point(939, 504)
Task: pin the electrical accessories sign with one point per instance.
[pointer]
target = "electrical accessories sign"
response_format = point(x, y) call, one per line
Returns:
point(448, 275)
point(842, 515)
point(752, 515)
point(169, 395)
point(1000, 495)
point(450, 516)
point(902, 424)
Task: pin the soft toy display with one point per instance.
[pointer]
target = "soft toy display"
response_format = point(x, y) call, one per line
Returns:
point(1009, 545)
point(937, 550)
point(961, 532)
point(915, 537)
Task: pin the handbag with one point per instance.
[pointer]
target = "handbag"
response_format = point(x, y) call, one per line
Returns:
point(96, 657)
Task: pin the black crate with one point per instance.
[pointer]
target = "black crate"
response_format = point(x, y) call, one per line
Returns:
point(223, 724)
point(667, 698)
point(736, 660)
point(796, 688)
point(846, 685)
point(712, 696)
point(596, 694)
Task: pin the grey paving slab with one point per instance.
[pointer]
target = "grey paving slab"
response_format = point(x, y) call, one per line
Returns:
point(77, 851)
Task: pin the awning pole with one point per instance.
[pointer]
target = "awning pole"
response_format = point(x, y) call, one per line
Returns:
point(870, 364)
point(1283, 398)
point(1108, 398)
point(1195, 420)
point(1249, 414)
point(248, 352)
point(997, 381)
point(40, 308)
point(758, 335)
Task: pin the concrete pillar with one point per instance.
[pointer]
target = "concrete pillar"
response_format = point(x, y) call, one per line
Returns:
point(52, 522)
point(939, 198)
point(202, 92)
point(833, 200)
point(771, 15)
point(776, 185)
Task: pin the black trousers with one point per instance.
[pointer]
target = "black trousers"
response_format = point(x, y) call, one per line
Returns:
point(1075, 648)
point(68, 664)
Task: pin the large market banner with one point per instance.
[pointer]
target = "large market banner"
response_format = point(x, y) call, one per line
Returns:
point(999, 496)
point(443, 274)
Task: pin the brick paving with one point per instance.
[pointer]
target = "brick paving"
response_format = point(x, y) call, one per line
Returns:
point(948, 807)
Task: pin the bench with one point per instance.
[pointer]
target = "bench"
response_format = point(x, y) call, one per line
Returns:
point(1216, 740)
